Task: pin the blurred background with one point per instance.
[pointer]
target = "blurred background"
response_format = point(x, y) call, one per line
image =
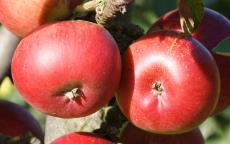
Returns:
point(216, 130)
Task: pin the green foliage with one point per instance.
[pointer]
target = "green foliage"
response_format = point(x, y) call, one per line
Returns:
point(145, 12)
point(221, 6)
point(223, 48)
point(191, 12)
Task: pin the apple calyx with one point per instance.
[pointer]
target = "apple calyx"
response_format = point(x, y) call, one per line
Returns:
point(73, 94)
point(158, 88)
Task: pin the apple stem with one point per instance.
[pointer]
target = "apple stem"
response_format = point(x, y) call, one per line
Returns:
point(189, 20)
point(158, 88)
point(73, 94)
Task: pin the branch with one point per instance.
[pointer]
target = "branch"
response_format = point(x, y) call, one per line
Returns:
point(106, 10)
point(86, 7)
point(8, 43)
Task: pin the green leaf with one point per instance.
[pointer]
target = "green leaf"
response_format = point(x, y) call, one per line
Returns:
point(208, 126)
point(223, 48)
point(191, 12)
point(107, 121)
point(56, 127)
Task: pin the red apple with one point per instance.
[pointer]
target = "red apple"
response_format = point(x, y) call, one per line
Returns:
point(81, 138)
point(133, 135)
point(23, 16)
point(170, 83)
point(212, 30)
point(67, 69)
point(16, 121)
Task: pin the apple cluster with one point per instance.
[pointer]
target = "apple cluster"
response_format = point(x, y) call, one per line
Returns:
point(166, 83)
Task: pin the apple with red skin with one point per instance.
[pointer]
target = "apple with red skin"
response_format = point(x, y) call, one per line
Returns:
point(81, 138)
point(23, 16)
point(169, 84)
point(133, 135)
point(17, 121)
point(212, 30)
point(67, 69)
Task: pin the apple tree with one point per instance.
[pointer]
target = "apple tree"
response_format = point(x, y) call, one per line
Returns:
point(114, 71)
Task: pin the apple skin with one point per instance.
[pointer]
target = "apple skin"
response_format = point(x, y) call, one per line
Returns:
point(16, 121)
point(133, 135)
point(23, 16)
point(81, 138)
point(169, 84)
point(212, 30)
point(62, 57)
